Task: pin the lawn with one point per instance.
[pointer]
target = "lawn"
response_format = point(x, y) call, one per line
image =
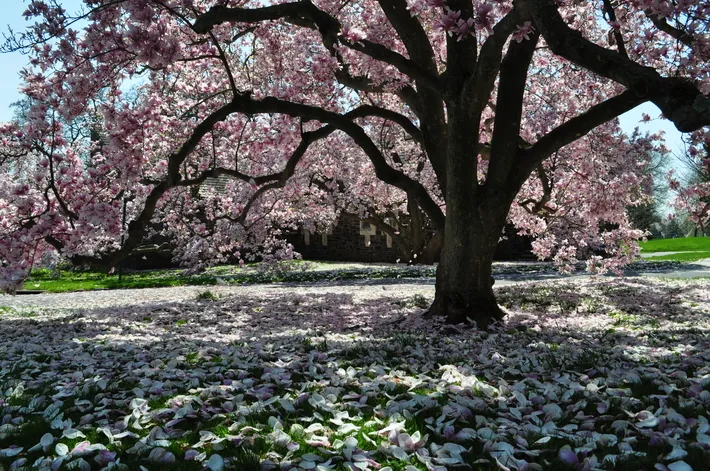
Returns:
point(683, 244)
point(63, 281)
point(294, 271)
point(583, 375)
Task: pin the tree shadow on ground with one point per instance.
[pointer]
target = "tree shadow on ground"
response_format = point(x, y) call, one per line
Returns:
point(318, 347)
point(660, 268)
point(634, 312)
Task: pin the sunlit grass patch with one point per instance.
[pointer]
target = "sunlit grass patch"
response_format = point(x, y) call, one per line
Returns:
point(6, 310)
point(681, 244)
point(207, 295)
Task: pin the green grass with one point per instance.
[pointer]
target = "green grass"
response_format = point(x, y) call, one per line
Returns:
point(684, 244)
point(207, 295)
point(65, 281)
point(299, 272)
point(82, 281)
point(682, 257)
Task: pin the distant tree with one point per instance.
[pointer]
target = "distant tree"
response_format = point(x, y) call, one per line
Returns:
point(673, 228)
point(648, 213)
point(647, 217)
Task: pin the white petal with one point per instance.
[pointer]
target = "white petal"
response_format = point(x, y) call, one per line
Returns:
point(650, 422)
point(46, 440)
point(9, 452)
point(61, 449)
point(679, 466)
point(216, 463)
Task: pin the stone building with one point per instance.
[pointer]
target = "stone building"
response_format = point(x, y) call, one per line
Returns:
point(351, 240)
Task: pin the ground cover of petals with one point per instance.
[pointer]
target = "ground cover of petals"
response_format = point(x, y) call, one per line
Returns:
point(584, 374)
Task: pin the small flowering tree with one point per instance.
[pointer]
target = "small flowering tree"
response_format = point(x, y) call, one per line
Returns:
point(464, 107)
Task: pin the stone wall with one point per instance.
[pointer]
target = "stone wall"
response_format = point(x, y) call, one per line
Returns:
point(345, 243)
point(513, 246)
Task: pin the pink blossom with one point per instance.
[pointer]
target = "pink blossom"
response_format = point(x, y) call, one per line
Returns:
point(483, 16)
point(448, 20)
point(523, 32)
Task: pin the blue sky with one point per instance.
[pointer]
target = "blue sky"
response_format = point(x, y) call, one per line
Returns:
point(631, 119)
point(11, 64)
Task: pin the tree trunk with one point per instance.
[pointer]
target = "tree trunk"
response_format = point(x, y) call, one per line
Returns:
point(475, 217)
point(476, 213)
point(464, 282)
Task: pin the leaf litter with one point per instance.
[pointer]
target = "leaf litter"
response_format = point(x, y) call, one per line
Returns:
point(583, 375)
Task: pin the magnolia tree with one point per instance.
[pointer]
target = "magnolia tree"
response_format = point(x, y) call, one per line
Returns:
point(576, 207)
point(460, 108)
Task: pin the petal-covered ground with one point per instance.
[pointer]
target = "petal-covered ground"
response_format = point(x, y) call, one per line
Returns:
point(584, 374)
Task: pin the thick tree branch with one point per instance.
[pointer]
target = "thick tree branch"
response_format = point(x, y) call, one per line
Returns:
point(404, 122)
point(412, 34)
point(571, 131)
point(383, 170)
point(245, 104)
point(255, 197)
point(426, 102)
point(53, 187)
point(461, 52)
point(307, 138)
point(421, 68)
point(509, 106)
point(407, 93)
point(406, 66)
point(479, 85)
point(679, 100)
point(539, 207)
point(580, 125)
point(308, 15)
point(296, 12)
point(667, 28)
point(225, 63)
point(280, 178)
point(136, 228)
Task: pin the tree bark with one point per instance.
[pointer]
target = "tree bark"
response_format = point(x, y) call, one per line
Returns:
point(475, 217)
point(464, 282)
